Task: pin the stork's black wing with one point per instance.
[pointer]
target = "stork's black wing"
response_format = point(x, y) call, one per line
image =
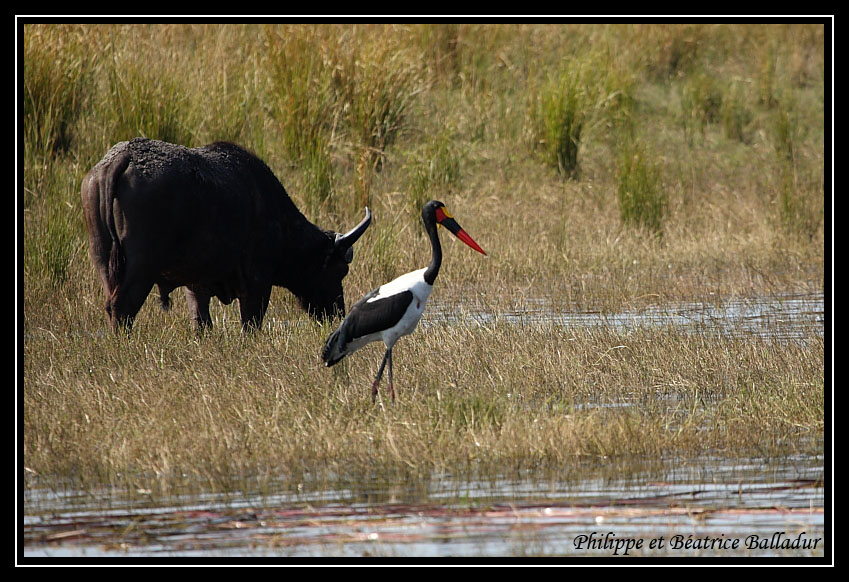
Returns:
point(365, 318)
point(368, 317)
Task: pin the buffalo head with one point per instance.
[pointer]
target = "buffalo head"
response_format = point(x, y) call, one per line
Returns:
point(320, 293)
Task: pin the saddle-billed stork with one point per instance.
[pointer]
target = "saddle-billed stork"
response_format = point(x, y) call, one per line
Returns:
point(394, 309)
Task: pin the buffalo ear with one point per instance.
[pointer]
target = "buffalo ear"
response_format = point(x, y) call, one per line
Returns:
point(349, 255)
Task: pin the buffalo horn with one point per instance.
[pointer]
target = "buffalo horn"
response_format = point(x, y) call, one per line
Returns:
point(345, 241)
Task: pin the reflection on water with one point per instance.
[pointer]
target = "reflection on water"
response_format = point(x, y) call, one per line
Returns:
point(766, 506)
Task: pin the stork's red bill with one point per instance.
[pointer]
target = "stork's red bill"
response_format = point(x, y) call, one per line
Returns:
point(446, 220)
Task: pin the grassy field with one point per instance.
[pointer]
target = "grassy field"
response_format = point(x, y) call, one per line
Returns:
point(602, 167)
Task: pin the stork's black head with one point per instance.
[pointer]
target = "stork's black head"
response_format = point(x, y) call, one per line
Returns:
point(434, 212)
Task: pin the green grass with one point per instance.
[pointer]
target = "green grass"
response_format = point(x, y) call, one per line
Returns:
point(149, 103)
point(560, 115)
point(433, 170)
point(669, 129)
point(643, 200)
point(54, 91)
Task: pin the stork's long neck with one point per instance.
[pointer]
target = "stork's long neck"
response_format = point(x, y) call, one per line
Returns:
point(436, 252)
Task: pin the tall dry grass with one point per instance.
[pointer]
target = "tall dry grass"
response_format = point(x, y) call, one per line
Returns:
point(389, 116)
point(167, 410)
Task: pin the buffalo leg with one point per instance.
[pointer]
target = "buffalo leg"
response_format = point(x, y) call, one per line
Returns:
point(252, 307)
point(126, 301)
point(164, 295)
point(198, 303)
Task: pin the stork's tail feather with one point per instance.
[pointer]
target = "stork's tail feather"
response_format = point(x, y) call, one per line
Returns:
point(332, 351)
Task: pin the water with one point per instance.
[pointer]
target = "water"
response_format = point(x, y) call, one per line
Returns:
point(679, 507)
point(780, 317)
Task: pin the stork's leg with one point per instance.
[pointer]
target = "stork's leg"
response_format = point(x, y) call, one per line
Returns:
point(391, 387)
point(386, 356)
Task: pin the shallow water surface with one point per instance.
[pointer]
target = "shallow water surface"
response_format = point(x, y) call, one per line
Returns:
point(712, 507)
point(782, 317)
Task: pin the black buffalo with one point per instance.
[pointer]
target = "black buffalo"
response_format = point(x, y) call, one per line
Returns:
point(214, 219)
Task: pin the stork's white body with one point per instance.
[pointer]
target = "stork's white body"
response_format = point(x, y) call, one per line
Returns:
point(405, 299)
point(413, 282)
